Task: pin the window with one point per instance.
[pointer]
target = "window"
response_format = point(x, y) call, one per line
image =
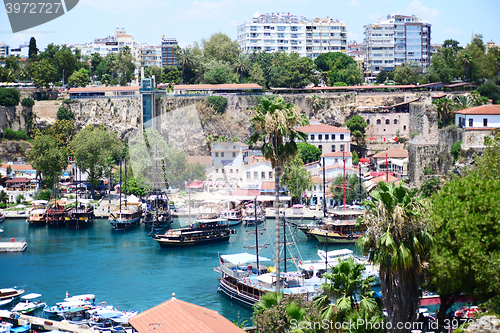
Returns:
point(237, 170)
point(485, 122)
point(270, 174)
point(234, 154)
point(336, 160)
point(341, 136)
point(248, 174)
point(216, 170)
point(333, 136)
point(333, 148)
point(255, 175)
point(222, 170)
point(471, 122)
point(326, 136)
point(379, 122)
point(230, 170)
point(404, 128)
point(221, 154)
point(368, 121)
point(314, 188)
point(387, 121)
point(320, 137)
point(395, 121)
point(263, 175)
point(216, 154)
point(320, 147)
point(341, 147)
point(312, 136)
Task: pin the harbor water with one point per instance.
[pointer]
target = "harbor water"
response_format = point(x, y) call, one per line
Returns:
point(128, 269)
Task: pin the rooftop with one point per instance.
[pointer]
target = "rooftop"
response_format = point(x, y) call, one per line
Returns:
point(338, 154)
point(392, 153)
point(203, 160)
point(322, 128)
point(100, 89)
point(214, 87)
point(483, 109)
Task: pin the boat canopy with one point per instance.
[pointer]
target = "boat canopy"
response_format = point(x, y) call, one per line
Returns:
point(31, 296)
point(242, 258)
point(84, 297)
point(133, 199)
point(39, 202)
point(335, 254)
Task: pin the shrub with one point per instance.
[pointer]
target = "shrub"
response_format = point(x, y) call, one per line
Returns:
point(65, 114)
point(44, 195)
point(20, 198)
point(3, 205)
point(9, 96)
point(455, 149)
point(218, 103)
point(428, 171)
point(28, 101)
point(10, 134)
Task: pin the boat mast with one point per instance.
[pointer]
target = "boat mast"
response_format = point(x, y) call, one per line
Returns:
point(256, 236)
point(284, 239)
point(121, 188)
point(125, 182)
point(324, 190)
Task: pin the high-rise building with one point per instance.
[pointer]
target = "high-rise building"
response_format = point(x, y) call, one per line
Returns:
point(4, 50)
point(396, 40)
point(168, 51)
point(149, 55)
point(287, 33)
point(109, 44)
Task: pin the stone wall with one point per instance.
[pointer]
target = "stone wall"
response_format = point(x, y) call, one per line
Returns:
point(15, 117)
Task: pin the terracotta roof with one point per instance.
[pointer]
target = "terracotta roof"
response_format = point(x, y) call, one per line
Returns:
point(439, 96)
point(404, 103)
point(251, 193)
point(176, 316)
point(268, 186)
point(322, 128)
point(337, 154)
point(18, 167)
point(257, 159)
point(392, 179)
point(229, 143)
point(315, 162)
point(339, 166)
point(101, 89)
point(392, 153)
point(203, 160)
point(483, 109)
point(319, 180)
point(17, 180)
point(232, 86)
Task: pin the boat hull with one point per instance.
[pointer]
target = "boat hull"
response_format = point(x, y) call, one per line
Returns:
point(79, 223)
point(37, 223)
point(233, 292)
point(335, 238)
point(234, 221)
point(176, 242)
point(121, 225)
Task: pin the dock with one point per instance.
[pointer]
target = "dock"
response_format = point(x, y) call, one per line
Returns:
point(14, 245)
point(46, 324)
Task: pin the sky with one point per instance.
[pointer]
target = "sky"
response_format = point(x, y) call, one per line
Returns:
point(191, 21)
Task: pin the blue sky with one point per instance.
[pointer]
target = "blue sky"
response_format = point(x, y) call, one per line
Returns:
point(190, 21)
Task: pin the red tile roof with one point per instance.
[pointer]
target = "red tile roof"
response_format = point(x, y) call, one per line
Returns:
point(17, 180)
point(203, 160)
point(176, 316)
point(252, 193)
point(392, 153)
point(322, 128)
point(337, 154)
point(319, 180)
point(392, 179)
point(18, 167)
point(232, 86)
point(483, 109)
point(101, 89)
point(339, 166)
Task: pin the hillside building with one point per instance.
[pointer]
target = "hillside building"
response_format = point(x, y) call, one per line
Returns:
point(327, 138)
point(168, 46)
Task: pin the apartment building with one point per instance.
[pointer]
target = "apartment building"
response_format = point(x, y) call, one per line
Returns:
point(328, 139)
point(4, 50)
point(149, 55)
point(168, 46)
point(289, 33)
point(395, 40)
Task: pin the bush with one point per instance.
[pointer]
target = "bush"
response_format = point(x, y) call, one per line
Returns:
point(218, 103)
point(455, 149)
point(3, 205)
point(65, 114)
point(28, 101)
point(9, 96)
point(490, 90)
point(43, 195)
point(428, 171)
point(20, 198)
point(10, 134)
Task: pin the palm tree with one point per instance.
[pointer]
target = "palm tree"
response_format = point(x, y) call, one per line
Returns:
point(467, 62)
point(444, 108)
point(185, 61)
point(276, 122)
point(398, 240)
point(462, 102)
point(242, 65)
point(266, 302)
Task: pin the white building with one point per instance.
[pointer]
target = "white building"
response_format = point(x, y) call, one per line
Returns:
point(4, 50)
point(395, 160)
point(327, 138)
point(287, 33)
point(257, 171)
point(149, 55)
point(22, 51)
point(227, 162)
point(479, 117)
point(395, 40)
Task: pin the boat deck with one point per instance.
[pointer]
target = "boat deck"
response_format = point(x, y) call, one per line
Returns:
point(13, 245)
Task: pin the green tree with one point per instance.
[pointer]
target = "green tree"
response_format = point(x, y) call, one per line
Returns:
point(487, 165)
point(490, 90)
point(256, 75)
point(455, 150)
point(44, 73)
point(78, 79)
point(430, 186)
point(220, 48)
point(299, 71)
point(355, 158)
point(275, 122)
point(47, 158)
point(384, 75)
point(352, 192)
point(9, 96)
point(466, 253)
point(399, 241)
point(171, 74)
point(124, 66)
point(217, 72)
point(28, 101)
point(33, 50)
point(308, 152)
point(91, 147)
point(65, 114)
point(444, 109)
point(407, 73)
point(316, 102)
point(218, 103)
point(357, 125)
point(445, 62)
point(65, 62)
point(241, 65)
point(184, 61)
point(63, 130)
point(295, 177)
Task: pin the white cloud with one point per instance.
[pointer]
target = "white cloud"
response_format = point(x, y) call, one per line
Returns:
point(124, 6)
point(207, 9)
point(416, 8)
point(452, 31)
point(24, 37)
point(354, 3)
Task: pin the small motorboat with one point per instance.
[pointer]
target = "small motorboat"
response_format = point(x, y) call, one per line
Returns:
point(5, 302)
point(9, 293)
point(30, 305)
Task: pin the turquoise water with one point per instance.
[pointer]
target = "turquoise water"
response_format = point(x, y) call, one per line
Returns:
point(128, 269)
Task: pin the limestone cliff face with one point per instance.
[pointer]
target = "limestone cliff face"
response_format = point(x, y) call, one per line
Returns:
point(15, 117)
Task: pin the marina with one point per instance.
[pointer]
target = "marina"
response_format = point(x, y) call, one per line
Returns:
point(129, 270)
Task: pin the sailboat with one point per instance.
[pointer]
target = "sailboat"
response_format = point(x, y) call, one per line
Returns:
point(245, 279)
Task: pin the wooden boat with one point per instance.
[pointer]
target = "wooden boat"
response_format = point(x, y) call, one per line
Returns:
point(157, 214)
point(233, 216)
point(126, 216)
point(200, 232)
point(37, 215)
point(55, 214)
point(7, 293)
point(338, 227)
point(79, 216)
